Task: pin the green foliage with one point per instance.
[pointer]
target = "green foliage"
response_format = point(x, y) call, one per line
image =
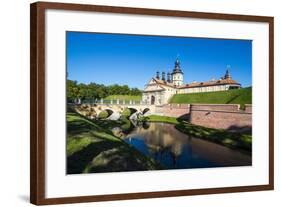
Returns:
point(123, 97)
point(92, 148)
point(103, 114)
point(164, 119)
point(236, 96)
point(93, 91)
point(126, 125)
point(77, 144)
point(126, 112)
point(116, 89)
point(72, 90)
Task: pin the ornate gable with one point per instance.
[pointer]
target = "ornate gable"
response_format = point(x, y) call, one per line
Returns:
point(152, 81)
point(153, 86)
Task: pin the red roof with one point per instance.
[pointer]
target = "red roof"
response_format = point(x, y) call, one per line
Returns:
point(211, 83)
point(165, 83)
point(199, 84)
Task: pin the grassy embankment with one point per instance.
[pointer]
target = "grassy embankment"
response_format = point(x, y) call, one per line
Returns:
point(236, 96)
point(92, 148)
point(123, 97)
point(220, 136)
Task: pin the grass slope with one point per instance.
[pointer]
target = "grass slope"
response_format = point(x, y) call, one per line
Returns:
point(236, 96)
point(163, 119)
point(93, 148)
point(123, 97)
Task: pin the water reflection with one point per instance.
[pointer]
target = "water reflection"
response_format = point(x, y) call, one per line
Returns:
point(175, 150)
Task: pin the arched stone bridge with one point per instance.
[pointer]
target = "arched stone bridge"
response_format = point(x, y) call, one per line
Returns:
point(115, 110)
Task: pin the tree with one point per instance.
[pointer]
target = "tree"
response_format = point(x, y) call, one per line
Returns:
point(72, 90)
point(135, 92)
point(93, 91)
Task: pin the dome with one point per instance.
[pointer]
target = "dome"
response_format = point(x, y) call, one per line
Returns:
point(177, 68)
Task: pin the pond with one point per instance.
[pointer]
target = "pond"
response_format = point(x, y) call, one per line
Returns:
point(176, 150)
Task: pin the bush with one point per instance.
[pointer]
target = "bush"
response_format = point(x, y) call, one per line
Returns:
point(126, 112)
point(70, 108)
point(103, 114)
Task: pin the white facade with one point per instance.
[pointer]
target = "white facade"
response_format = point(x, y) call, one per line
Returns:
point(205, 89)
point(177, 79)
point(159, 92)
point(177, 74)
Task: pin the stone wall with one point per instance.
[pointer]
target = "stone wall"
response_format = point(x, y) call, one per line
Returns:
point(222, 116)
point(216, 107)
point(174, 110)
point(248, 108)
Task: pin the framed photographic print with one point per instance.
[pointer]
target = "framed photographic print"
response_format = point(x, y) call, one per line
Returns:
point(130, 103)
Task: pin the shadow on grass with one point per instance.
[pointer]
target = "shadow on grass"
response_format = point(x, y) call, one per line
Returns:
point(81, 124)
point(91, 147)
point(232, 99)
point(119, 159)
point(106, 156)
point(78, 127)
point(184, 117)
point(244, 129)
point(78, 161)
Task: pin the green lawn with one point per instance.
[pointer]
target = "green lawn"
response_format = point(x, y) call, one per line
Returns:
point(220, 136)
point(236, 96)
point(91, 147)
point(123, 97)
point(163, 119)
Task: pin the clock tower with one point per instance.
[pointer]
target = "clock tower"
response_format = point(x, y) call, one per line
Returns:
point(177, 74)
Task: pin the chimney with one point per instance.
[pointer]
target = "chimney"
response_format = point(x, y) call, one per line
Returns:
point(157, 75)
point(169, 77)
point(163, 76)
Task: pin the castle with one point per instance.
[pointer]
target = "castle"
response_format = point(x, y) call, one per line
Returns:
point(159, 91)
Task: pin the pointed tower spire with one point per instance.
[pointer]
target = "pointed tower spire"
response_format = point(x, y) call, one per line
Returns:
point(177, 64)
point(227, 73)
point(177, 68)
point(177, 74)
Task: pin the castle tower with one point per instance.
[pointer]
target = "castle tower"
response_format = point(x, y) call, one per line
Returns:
point(177, 74)
point(227, 73)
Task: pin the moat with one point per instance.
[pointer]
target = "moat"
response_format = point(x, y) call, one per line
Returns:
point(176, 150)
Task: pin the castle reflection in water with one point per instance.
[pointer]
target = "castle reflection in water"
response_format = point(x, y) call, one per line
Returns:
point(175, 150)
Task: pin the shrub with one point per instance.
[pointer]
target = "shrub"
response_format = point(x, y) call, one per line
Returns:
point(126, 112)
point(103, 114)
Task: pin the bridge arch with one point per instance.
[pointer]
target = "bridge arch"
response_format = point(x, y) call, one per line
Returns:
point(132, 110)
point(145, 111)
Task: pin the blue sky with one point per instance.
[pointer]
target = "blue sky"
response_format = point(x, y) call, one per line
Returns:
point(134, 59)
